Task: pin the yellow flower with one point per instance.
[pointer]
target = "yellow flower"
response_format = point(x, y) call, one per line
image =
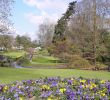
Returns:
point(87, 86)
point(94, 85)
point(102, 81)
point(72, 79)
point(6, 87)
point(21, 98)
point(83, 86)
point(62, 90)
point(102, 94)
point(49, 99)
point(19, 87)
point(91, 87)
point(46, 87)
point(82, 81)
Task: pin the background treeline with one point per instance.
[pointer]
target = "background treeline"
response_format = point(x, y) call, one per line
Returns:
point(82, 35)
point(80, 38)
point(9, 42)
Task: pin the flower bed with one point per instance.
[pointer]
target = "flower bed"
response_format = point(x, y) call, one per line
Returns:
point(57, 89)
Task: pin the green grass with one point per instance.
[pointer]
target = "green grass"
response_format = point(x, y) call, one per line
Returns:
point(8, 75)
point(15, 54)
point(43, 61)
point(34, 64)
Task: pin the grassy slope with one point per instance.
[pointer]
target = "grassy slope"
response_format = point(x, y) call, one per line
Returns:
point(46, 61)
point(15, 54)
point(8, 75)
point(36, 61)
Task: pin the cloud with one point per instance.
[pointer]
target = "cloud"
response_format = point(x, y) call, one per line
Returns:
point(38, 19)
point(59, 5)
point(49, 9)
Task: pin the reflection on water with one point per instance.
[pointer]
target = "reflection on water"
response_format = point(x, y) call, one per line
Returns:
point(14, 64)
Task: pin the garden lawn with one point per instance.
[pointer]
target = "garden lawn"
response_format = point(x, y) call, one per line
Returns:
point(15, 54)
point(8, 75)
point(43, 61)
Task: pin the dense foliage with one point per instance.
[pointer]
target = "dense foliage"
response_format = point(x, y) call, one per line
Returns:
point(85, 33)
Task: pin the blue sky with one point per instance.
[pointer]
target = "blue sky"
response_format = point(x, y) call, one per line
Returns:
point(28, 14)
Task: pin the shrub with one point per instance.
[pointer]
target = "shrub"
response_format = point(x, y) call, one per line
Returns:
point(80, 63)
point(77, 62)
point(100, 66)
point(23, 60)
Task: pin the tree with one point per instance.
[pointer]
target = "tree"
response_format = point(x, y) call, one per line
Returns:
point(87, 25)
point(45, 33)
point(59, 38)
point(18, 41)
point(6, 41)
point(5, 23)
point(5, 13)
point(59, 33)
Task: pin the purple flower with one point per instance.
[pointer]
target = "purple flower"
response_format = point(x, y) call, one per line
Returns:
point(54, 84)
point(28, 81)
point(16, 95)
point(70, 82)
point(1, 88)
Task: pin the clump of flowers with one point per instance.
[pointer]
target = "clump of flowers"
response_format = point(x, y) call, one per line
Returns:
point(57, 89)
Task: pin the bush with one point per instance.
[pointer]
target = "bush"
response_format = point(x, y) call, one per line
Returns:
point(100, 66)
point(77, 62)
point(5, 61)
point(23, 60)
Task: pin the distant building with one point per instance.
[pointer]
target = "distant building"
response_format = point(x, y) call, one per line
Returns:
point(2, 48)
point(18, 48)
point(38, 48)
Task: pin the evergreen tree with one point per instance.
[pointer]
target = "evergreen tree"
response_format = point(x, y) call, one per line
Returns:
point(59, 34)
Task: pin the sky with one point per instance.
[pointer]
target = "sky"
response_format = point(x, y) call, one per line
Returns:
point(29, 14)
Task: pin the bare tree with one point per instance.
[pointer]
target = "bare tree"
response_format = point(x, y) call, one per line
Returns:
point(90, 18)
point(45, 33)
point(5, 13)
point(5, 22)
